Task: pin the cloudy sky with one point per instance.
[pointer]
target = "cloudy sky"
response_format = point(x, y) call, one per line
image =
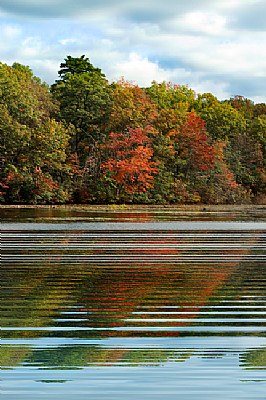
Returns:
point(216, 46)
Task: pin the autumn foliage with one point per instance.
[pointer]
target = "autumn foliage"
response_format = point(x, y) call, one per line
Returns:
point(87, 140)
point(194, 144)
point(129, 162)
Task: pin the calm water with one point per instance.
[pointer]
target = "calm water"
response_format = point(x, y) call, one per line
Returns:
point(128, 305)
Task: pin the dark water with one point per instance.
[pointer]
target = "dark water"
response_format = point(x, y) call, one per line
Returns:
point(133, 310)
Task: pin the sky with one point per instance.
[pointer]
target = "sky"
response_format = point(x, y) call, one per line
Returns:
point(216, 46)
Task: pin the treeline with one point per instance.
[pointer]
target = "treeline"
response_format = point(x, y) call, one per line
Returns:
point(84, 140)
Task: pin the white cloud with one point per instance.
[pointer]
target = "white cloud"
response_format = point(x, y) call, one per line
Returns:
point(197, 42)
point(67, 41)
point(10, 32)
point(32, 47)
point(240, 56)
point(220, 89)
point(259, 99)
point(46, 67)
point(140, 70)
point(204, 22)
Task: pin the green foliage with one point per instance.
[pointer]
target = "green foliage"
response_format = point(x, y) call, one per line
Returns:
point(172, 102)
point(76, 65)
point(30, 138)
point(87, 141)
point(221, 119)
point(84, 96)
point(33, 188)
point(167, 95)
point(257, 129)
point(131, 108)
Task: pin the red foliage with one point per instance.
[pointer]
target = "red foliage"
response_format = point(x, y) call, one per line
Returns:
point(43, 183)
point(194, 143)
point(130, 160)
point(3, 186)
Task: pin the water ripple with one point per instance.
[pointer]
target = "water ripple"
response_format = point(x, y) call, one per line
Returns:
point(133, 313)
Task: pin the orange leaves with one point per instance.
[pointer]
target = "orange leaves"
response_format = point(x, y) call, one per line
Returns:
point(194, 143)
point(224, 171)
point(130, 162)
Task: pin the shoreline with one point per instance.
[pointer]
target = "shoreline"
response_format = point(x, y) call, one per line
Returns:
point(136, 207)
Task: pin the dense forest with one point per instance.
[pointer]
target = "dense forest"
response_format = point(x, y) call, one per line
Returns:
point(85, 140)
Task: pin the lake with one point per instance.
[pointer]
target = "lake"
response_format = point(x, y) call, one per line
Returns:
point(139, 303)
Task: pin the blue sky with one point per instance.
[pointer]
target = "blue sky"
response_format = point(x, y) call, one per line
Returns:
point(216, 46)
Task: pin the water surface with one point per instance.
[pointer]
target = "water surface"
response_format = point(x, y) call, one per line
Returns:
point(122, 307)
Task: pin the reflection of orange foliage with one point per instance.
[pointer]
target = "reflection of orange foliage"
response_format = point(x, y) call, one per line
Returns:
point(184, 289)
point(124, 292)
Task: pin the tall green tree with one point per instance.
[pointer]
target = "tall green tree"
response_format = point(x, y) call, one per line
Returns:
point(84, 97)
point(76, 65)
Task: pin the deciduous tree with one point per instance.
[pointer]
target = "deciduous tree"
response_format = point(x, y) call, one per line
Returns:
point(129, 163)
point(31, 140)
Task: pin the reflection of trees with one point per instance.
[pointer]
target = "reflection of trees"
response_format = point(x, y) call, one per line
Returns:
point(254, 359)
point(121, 296)
point(81, 356)
point(147, 289)
point(245, 291)
point(12, 356)
point(38, 295)
point(108, 298)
